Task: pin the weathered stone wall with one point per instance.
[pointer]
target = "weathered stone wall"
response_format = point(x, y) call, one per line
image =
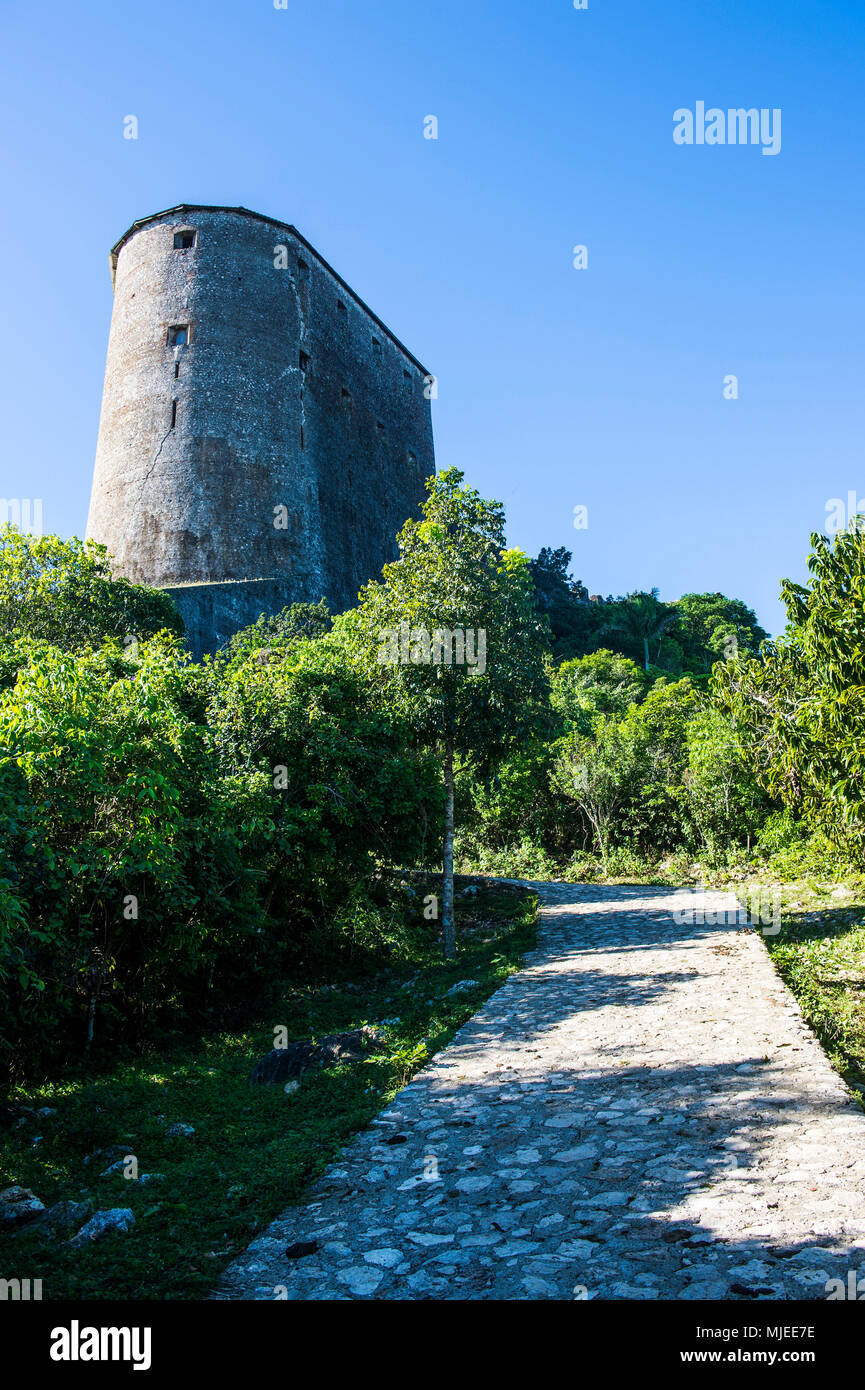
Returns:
point(213, 612)
point(290, 394)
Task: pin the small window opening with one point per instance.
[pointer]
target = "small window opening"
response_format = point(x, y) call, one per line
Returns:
point(346, 394)
point(412, 458)
point(178, 335)
point(176, 370)
point(302, 438)
point(376, 347)
point(302, 265)
point(342, 308)
point(304, 360)
point(184, 241)
point(173, 414)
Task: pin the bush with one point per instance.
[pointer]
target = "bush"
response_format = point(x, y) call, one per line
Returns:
point(277, 630)
point(124, 861)
point(799, 709)
point(726, 800)
point(343, 785)
point(172, 834)
point(63, 592)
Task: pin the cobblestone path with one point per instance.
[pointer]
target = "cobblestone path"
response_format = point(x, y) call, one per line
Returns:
point(639, 1113)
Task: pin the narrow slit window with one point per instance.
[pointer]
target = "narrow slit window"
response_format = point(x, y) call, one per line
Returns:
point(346, 394)
point(304, 360)
point(302, 265)
point(184, 241)
point(178, 335)
point(343, 311)
point(173, 414)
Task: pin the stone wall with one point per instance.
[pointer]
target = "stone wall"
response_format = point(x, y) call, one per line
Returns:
point(214, 612)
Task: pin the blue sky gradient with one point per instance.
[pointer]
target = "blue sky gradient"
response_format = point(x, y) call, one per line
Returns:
point(557, 387)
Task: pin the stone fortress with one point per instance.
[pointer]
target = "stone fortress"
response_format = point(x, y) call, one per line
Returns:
point(263, 435)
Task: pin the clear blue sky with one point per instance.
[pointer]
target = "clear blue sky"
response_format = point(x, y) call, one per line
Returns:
point(558, 387)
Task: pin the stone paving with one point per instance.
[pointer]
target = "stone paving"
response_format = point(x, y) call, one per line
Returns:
point(639, 1113)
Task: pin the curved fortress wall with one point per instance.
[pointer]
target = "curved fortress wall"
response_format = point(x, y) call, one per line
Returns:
point(263, 435)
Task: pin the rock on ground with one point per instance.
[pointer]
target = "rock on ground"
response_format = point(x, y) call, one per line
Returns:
point(18, 1205)
point(115, 1220)
point(286, 1064)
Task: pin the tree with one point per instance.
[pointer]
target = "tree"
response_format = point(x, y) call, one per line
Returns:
point(596, 772)
point(451, 636)
point(553, 583)
point(727, 804)
point(655, 815)
point(575, 621)
point(799, 708)
point(62, 591)
point(643, 618)
point(713, 628)
point(603, 682)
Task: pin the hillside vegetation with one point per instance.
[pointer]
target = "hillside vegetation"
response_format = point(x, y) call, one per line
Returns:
point(175, 835)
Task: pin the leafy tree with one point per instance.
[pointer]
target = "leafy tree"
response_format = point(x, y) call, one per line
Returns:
point(575, 622)
point(799, 709)
point(656, 817)
point(553, 582)
point(62, 591)
point(454, 574)
point(596, 771)
point(602, 683)
point(642, 618)
point(727, 804)
point(713, 628)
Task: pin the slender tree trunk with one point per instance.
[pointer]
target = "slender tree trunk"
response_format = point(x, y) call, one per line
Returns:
point(448, 933)
point(646, 650)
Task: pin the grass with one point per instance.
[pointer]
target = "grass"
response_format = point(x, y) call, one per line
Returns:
point(819, 952)
point(254, 1149)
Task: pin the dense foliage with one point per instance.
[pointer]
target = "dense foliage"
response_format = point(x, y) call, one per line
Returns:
point(173, 834)
point(472, 698)
point(799, 710)
point(634, 770)
point(63, 591)
point(684, 637)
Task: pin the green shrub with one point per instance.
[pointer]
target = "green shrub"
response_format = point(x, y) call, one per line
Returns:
point(63, 592)
point(123, 853)
point(170, 833)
